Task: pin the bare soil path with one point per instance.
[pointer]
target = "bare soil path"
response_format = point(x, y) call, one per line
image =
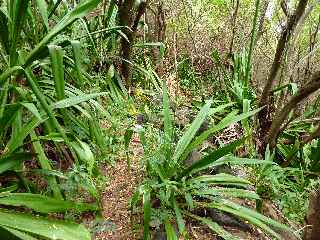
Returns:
point(117, 196)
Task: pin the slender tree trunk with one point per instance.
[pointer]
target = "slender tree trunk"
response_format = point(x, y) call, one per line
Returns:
point(313, 38)
point(159, 36)
point(126, 20)
point(313, 217)
point(262, 18)
point(309, 88)
point(233, 23)
point(265, 100)
point(130, 20)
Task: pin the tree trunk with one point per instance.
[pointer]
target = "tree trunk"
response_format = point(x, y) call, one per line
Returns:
point(309, 88)
point(262, 19)
point(264, 114)
point(233, 23)
point(313, 217)
point(126, 20)
point(130, 20)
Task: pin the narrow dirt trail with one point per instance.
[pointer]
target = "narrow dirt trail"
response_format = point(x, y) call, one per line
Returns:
point(116, 197)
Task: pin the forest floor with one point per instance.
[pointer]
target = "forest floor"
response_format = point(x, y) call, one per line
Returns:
point(117, 195)
point(120, 223)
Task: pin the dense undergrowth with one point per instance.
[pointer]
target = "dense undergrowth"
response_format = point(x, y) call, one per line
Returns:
point(229, 129)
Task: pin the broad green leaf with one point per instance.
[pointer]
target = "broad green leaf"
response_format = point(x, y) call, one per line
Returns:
point(17, 13)
point(220, 108)
point(11, 188)
point(45, 172)
point(232, 160)
point(9, 115)
point(257, 215)
point(42, 100)
point(252, 219)
point(72, 101)
point(43, 204)
point(191, 132)
point(76, 49)
point(218, 229)
point(52, 229)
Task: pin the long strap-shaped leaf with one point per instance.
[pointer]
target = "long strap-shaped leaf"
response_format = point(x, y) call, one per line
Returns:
point(76, 49)
point(79, 11)
point(17, 139)
point(146, 213)
point(4, 32)
point(44, 204)
point(45, 164)
point(57, 230)
point(56, 55)
point(10, 161)
point(4, 77)
point(230, 119)
point(42, 6)
point(168, 130)
point(44, 104)
point(213, 226)
point(191, 132)
point(253, 217)
point(17, 13)
point(212, 157)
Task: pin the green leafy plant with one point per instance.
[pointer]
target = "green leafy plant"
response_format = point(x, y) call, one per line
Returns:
point(38, 103)
point(177, 190)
